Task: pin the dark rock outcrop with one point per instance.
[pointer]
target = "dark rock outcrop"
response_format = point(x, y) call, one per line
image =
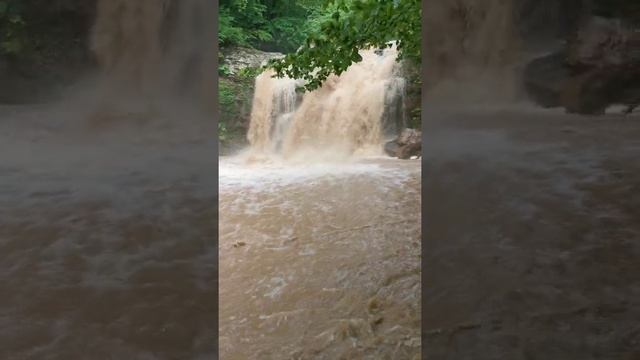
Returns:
point(406, 145)
point(599, 67)
point(544, 79)
point(604, 42)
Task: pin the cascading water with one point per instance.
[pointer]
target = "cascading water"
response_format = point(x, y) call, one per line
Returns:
point(477, 48)
point(349, 114)
point(273, 108)
point(473, 46)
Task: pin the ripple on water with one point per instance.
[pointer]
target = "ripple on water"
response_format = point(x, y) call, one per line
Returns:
point(305, 248)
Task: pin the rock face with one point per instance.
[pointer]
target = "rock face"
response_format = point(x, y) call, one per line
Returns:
point(599, 67)
point(406, 145)
point(544, 78)
point(604, 42)
point(237, 58)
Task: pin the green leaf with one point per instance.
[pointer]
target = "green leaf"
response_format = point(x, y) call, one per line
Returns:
point(345, 26)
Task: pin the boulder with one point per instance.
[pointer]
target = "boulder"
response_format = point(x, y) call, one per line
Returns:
point(407, 145)
point(544, 78)
point(593, 91)
point(410, 150)
point(409, 136)
point(391, 148)
point(599, 67)
point(603, 42)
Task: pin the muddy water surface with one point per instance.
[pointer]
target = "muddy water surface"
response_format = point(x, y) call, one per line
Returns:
point(107, 242)
point(320, 261)
point(533, 235)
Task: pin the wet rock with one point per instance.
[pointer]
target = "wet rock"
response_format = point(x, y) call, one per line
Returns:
point(391, 148)
point(604, 42)
point(407, 145)
point(238, 58)
point(599, 67)
point(544, 78)
point(409, 136)
point(410, 150)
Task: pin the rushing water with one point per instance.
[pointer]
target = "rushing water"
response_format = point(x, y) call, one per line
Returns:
point(320, 261)
point(350, 113)
point(107, 234)
point(107, 241)
point(319, 234)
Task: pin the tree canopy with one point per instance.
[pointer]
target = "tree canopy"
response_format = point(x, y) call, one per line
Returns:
point(271, 25)
point(344, 28)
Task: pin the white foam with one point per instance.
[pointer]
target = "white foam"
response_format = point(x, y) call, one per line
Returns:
point(236, 172)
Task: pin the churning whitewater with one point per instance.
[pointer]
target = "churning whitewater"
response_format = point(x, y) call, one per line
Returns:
point(319, 232)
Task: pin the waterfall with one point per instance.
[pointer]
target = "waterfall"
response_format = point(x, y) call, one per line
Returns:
point(350, 114)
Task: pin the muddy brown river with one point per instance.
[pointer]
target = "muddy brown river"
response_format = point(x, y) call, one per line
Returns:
point(107, 239)
point(320, 261)
point(532, 234)
point(108, 244)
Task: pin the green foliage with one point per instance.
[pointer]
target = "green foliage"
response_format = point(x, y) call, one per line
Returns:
point(234, 96)
point(344, 29)
point(226, 96)
point(12, 28)
point(286, 33)
point(223, 70)
point(229, 33)
point(275, 25)
point(249, 73)
point(241, 22)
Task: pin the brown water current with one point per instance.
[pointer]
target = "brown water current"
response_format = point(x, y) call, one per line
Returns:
point(107, 233)
point(107, 241)
point(320, 261)
point(319, 234)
